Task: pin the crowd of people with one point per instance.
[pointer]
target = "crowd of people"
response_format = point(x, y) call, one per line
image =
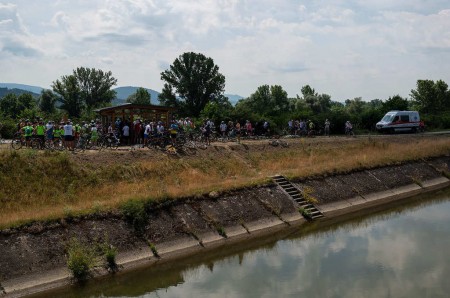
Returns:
point(141, 131)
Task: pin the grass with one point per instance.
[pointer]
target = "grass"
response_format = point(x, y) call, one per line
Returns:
point(52, 185)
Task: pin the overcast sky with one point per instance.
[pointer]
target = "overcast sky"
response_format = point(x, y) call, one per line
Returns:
point(347, 49)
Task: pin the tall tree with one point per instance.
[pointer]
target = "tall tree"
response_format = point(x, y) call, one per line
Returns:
point(168, 98)
point(395, 102)
point(9, 105)
point(141, 97)
point(69, 91)
point(95, 86)
point(47, 101)
point(13, 106)
point(195, 79)
point(312, 100)
point(431, 97)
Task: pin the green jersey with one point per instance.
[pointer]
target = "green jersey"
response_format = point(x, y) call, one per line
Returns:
point(40, 130)
point(27, 131)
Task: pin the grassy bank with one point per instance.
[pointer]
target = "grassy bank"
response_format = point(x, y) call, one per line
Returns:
point(48, 185)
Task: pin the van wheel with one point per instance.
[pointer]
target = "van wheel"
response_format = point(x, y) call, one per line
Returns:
point(414, 130)
point(392, 131)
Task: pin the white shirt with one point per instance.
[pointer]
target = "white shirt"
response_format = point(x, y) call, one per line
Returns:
point(68, 130)
point(148, 129)
point(126, 131)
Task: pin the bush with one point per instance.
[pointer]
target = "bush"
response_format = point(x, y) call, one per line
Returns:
point(8, 129)
point(81, 259)
point(135, 214)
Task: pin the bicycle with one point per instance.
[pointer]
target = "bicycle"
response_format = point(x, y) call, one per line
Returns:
point(18, 141)
point(349, 132)
point(278, 142)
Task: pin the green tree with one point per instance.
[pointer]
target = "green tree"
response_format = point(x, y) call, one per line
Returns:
point(431, 97)
point(141, 97)
point(47, 101)
point(195, 79)
point(95, 86)
point(13, 106)
point(168, 98)
point(313, 101)
point(69, 91)
point(9, 105)
point(218, 109)
point(395, 102)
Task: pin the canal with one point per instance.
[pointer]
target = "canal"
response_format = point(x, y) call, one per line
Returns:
point(401, 251)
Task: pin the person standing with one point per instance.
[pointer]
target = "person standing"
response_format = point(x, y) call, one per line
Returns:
point(68, 135)
point(126, 133)
point(223, 129)
point(327, 127)
point(39, 131)
point(238, 132)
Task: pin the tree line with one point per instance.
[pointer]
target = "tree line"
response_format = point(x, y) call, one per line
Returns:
point(194, 85)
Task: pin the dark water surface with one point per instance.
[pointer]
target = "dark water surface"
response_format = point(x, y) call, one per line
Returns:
point(403, 251)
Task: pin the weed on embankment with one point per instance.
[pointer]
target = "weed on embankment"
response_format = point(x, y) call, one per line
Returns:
point(52, 185)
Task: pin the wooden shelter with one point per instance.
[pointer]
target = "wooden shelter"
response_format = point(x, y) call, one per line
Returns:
point(132, 112)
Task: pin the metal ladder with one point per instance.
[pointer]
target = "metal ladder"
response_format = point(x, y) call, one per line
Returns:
point(311, 211)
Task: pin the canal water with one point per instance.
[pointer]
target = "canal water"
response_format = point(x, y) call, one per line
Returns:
point(401, 251)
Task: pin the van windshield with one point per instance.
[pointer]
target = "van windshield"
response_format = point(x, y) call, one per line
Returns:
point(388, 117)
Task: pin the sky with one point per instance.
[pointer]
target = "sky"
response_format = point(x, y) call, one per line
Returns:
point(372, 49)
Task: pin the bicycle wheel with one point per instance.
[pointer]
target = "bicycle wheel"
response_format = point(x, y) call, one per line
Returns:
point(274, 143)
point(283, 144)
point(201, 145)
point(188, 150)
point(35, 144)
point(16, 143)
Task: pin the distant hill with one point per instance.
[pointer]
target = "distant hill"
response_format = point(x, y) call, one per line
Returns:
point(121, 97)
point(233, 98)
point(124, 92)
point(16, 91)
point(33, 89)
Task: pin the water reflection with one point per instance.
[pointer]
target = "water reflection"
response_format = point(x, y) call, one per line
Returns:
point(400, 252)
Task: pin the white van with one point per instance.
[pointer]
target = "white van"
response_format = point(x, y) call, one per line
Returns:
point(398, 121)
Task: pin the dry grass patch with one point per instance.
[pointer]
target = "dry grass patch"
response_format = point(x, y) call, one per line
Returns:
point(45, 186)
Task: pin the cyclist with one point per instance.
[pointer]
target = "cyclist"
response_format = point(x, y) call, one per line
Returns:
point(327, 127)
point(94, 133)
point(39, 131)
point(27, 133)
point(173, 131)
point(238, 131)
point(248, 127)
point(348, 128)
point(223, 129)
point(311, 128)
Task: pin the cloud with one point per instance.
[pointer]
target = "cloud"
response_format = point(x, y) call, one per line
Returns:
point(14, 37)
point(346, 49)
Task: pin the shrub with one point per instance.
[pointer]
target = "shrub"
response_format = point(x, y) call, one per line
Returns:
point(110, 253)
point(135, 213)
point(81, 259)
point(305, 213)
point(153, 249)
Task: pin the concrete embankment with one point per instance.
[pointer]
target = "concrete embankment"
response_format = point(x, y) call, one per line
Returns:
point(33, 258)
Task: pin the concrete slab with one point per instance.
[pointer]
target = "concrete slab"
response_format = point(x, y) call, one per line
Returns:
point(36, 283)
point(356, 201)
point(264, 224)
point(407, 191)
point(235, 231)
point(293, 218)
point(437, 183)
point(171, 247)
point(379, 195)
point(333, 206)
point(209, 238)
